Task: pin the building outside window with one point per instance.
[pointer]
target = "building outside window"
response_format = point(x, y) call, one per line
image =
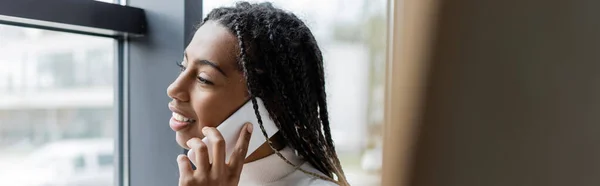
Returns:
point(56, 93)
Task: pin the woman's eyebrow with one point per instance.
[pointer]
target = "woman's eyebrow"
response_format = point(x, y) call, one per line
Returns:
point(207, 62)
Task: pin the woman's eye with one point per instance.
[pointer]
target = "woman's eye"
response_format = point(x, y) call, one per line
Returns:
point(204, 81)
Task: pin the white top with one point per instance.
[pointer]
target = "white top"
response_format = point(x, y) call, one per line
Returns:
point(274, 171)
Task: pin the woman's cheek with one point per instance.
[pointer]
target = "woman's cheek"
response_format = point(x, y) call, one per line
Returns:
point(207, 110)
point(214, 107)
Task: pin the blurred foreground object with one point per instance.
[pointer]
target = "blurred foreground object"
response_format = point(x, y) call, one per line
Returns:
point(500, 93)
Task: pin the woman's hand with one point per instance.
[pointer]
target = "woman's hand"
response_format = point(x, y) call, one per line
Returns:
point(219, 173)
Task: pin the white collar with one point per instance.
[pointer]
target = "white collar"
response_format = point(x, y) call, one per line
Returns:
point(271, 168)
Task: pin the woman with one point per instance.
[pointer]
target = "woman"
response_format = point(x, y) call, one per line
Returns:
point(238, 54)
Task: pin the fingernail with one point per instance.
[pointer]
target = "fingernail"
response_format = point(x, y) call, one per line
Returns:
point(188, 143)
point(190, 154)
point(204, 130)
point(249, 128)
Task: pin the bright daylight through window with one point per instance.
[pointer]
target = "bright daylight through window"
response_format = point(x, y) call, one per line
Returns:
point(56, 108)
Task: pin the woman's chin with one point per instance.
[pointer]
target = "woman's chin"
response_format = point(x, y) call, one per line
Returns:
point(192, 131)
point(182, 139)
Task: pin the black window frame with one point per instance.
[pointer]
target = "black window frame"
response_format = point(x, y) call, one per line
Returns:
point(77, 16)
point(149, 34)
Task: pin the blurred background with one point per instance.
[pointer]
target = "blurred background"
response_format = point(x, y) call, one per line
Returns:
point(57, 110)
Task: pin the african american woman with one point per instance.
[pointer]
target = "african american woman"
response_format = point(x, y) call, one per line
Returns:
point(239, 54)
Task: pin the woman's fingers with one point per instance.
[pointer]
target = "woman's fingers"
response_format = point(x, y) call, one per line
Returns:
point(185, 169)
point(217, 171)
point(238, 156)
point(218, 150)
point(199, 154)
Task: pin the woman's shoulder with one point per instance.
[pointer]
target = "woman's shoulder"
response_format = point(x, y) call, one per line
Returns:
point(321, 182)
point(300, 178)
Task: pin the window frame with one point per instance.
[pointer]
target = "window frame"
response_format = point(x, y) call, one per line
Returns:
point(153, 33)
point(93, 17)
point(151, 69)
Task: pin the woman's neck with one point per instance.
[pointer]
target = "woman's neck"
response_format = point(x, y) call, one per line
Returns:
point(265, 150)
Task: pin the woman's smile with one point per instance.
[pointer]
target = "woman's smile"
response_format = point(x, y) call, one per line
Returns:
point(178, 120)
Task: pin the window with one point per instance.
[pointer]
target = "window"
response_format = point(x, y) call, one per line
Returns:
point(79, 163)
point(97, 62)
point(55, 70)
point(352, 38)
point(105, 160)
point(57, 106)
point(64, 104)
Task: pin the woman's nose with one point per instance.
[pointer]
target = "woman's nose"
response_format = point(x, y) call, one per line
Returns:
point(178, 90)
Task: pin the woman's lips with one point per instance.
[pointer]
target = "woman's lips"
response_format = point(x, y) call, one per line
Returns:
point(178, 125)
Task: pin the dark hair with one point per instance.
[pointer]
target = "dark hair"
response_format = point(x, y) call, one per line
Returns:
point(283, 66)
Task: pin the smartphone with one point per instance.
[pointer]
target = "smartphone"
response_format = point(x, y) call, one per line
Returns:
point(232, 126)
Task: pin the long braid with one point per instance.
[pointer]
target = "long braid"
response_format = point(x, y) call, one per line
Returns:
point(288, 75)
point(314, 124)
point(297, 71)
point(250, 83)
point(283, 65)
point(324, 115)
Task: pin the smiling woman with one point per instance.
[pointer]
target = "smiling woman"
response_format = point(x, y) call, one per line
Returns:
point(210, 87)
point(242, 53)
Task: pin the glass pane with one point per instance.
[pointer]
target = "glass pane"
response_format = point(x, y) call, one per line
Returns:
point(352, 37)
point(56, 108)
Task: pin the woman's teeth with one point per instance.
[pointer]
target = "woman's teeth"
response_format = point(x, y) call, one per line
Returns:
point(179, 117)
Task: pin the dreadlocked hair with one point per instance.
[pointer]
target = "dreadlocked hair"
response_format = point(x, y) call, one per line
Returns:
point(283, 66)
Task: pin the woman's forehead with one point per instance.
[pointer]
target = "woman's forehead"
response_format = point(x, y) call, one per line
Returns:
point(214, 42)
